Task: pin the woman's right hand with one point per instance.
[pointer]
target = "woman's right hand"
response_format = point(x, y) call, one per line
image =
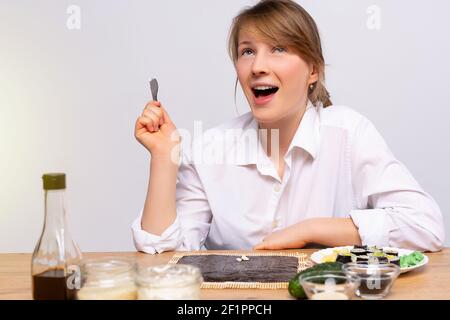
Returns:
point(155, 130)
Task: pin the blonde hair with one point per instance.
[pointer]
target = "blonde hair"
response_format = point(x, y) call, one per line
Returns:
point(286, 23)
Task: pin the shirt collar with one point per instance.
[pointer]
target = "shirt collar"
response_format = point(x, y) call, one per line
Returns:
point(249, 150)
point(307, 136)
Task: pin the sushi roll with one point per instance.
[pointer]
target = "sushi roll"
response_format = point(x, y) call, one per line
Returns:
point(358, 252)
point(382, 260)
point(374, 249)
point(362, 258)
point(360, 247)
point(376, 254)
point(344, 258)
point(391, 252)
point(395, 260)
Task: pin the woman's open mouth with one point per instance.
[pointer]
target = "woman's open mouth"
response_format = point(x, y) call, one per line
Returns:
point(263, 95)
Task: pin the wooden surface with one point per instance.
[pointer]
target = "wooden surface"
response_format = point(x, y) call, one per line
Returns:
point(429, 282)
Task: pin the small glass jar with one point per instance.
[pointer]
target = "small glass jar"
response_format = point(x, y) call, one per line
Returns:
point(108, 279)
point(169, 282)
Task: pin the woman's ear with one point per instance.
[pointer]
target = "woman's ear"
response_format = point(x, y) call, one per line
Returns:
point(313, 75)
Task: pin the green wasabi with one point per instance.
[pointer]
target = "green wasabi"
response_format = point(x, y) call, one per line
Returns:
point(411, 259)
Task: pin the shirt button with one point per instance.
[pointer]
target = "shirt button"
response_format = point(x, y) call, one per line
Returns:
point(276, 187)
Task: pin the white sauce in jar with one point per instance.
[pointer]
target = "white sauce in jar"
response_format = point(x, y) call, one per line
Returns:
point(108, 278)
point(169, 282)
point(115, 293)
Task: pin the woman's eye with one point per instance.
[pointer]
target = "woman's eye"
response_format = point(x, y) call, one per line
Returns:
point(245, 51)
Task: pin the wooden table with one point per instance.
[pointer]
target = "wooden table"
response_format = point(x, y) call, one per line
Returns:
point(429, 282)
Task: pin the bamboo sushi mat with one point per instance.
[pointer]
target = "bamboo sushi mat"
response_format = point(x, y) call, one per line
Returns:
point(303, 264)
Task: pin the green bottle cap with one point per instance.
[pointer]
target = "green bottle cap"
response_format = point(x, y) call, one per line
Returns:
point(54, 181)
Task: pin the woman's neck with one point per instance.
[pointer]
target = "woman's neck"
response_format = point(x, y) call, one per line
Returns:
point(286, 130)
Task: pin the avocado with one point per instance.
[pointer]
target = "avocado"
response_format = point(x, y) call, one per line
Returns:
point(296, 289)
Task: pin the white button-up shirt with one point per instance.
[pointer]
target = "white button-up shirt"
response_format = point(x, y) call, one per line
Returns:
point(337, 165)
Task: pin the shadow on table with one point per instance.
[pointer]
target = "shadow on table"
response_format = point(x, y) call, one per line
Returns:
point(314, 246)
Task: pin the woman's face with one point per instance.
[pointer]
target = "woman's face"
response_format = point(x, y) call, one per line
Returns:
point(261, 65)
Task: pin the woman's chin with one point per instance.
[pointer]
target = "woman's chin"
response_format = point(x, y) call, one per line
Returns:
point(266, 115)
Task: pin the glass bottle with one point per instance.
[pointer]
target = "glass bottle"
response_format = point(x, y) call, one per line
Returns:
point(55, 264)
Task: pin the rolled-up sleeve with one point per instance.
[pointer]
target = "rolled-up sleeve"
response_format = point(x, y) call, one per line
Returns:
point(150, 243)
point(190, 228)
point(393, 210)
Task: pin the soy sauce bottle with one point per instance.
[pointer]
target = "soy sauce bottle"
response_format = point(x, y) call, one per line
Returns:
point(56, 260)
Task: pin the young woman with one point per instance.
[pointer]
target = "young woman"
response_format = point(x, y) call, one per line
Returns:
point(321, 174)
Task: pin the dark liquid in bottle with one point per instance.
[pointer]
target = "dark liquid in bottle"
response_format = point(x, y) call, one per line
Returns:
point(52, 285)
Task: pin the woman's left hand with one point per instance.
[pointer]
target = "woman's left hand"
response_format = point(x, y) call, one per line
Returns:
point(288, 238)
point(330, 232)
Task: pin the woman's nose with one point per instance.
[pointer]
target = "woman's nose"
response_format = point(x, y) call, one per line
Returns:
point(259, 65)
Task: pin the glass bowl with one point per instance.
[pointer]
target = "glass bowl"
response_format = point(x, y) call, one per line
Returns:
point(376, 279)
point(329, 285)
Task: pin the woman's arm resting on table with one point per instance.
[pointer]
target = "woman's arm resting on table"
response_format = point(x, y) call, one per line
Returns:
point(330, 232)
point(192, 216)
point(391, 207)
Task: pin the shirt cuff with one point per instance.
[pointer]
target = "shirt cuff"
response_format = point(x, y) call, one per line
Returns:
point(374, 226)
point(147, 242)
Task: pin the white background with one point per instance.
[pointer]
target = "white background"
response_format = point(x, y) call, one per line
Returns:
point(69, 98)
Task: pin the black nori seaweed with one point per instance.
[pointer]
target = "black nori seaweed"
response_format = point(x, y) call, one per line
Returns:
point(362, 258)
point(344, 258)
point(221, 268)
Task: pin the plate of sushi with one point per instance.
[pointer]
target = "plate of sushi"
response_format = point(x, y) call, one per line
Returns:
point(406, 259)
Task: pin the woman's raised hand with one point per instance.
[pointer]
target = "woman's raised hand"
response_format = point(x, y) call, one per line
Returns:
point(155, 130)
